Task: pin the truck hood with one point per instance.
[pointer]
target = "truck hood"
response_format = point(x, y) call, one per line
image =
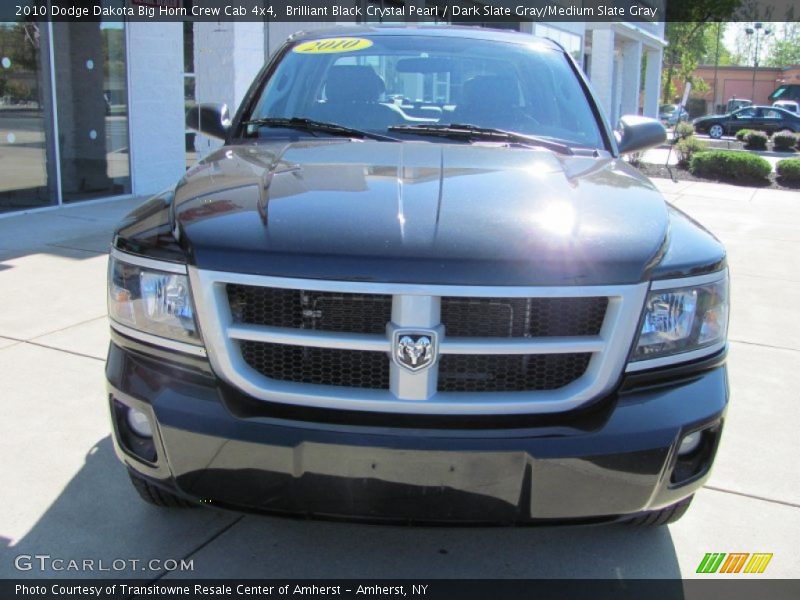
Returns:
point(420, 212)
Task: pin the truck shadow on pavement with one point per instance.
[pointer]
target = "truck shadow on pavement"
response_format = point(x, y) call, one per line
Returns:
point(99, 517)
point(75, 232)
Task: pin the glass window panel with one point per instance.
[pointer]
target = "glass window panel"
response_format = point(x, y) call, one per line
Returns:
point(189, 89)
point(92, 102)
point(27, 173)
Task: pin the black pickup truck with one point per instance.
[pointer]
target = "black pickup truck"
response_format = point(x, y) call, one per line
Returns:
point(418, 283)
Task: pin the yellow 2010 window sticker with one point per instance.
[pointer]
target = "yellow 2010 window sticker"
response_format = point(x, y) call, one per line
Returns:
point(332, 45)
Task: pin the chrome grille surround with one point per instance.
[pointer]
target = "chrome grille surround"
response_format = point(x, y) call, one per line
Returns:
point(416, 306)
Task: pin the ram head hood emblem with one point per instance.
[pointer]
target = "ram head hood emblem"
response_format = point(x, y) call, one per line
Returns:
point(414, 350)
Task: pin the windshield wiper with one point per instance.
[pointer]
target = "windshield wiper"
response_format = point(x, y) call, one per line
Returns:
point(311, 125)
point(473, 132)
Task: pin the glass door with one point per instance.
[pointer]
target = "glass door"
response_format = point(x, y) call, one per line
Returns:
point(92, 106)
point(63, 112)
point(28, 176)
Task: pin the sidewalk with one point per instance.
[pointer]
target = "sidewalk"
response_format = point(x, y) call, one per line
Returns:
point(71, 497)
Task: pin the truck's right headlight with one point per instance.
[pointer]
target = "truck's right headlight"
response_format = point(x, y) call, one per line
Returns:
point(683, 319)
point(152, 301)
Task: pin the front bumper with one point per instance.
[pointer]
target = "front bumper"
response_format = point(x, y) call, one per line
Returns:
point(614, 459)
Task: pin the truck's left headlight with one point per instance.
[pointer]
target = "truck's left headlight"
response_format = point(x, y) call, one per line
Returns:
point(152, 301)
point(683, 319)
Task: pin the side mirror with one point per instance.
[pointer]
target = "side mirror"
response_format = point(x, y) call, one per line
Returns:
point(209, 118)
point(637, 133)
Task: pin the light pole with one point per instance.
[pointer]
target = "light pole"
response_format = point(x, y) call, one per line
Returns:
point(716, 69)
point(754, 30)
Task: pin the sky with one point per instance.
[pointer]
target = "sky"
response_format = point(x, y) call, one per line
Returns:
point(733, 30)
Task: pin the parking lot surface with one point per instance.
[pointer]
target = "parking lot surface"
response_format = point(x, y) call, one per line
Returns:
point(67, 496)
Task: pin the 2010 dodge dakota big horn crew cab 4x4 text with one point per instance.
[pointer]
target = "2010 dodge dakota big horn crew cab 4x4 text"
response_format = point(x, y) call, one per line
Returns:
point(418, 283)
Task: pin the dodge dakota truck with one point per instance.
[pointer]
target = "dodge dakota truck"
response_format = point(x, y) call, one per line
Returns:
point(418, 283)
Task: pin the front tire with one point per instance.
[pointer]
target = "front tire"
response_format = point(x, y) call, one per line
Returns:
point(156, 496)
point(715, 131)
point(665, 516)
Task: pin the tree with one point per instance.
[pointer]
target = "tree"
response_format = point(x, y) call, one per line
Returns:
point(716, 52)
point(785, 48)
point(689, 32)
point(688, 44)
point(771, 14)
point(743, 46)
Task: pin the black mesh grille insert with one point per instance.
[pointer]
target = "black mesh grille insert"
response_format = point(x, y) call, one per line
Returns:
point(324, 311)
point(509, 372)
point(522, 317)
point(324, 366)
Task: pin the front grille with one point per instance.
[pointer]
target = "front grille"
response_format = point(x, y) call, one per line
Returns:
point(523, 317)
point(324, 366)
point(303, 309)
point(501, 350)
point(509, 372)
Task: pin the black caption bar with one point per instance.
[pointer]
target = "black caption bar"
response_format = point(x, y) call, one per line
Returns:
point(434, 589)
point(374, 11)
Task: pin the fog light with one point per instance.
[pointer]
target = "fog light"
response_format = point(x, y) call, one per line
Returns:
point(139, 423)
point(689, 443)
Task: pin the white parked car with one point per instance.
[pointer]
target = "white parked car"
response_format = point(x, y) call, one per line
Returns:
point(789, 105)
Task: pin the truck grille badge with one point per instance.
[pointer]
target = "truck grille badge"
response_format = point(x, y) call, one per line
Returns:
point(414, 350)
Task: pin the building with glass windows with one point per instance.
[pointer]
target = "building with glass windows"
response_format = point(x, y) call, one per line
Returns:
point(63, 113)
point(96, 110)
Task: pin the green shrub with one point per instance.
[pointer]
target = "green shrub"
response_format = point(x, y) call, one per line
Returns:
point(756, 140)
point(742, 133)
point(730, 164)
point(789, 170)
point(784, 141)
point(687, 148)
point(683, 130)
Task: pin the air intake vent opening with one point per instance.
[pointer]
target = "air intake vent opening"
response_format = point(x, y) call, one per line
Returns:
point(523, 317)
point(304, 309)
point(323, 366)
point(509, 372)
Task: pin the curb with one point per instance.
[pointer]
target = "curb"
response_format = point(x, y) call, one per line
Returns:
point(741, 148)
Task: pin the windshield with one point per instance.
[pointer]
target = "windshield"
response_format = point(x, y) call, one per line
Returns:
point(374, 83)
point(667, 108)
point(780, 91)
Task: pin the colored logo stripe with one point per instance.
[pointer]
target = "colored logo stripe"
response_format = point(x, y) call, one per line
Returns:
point(734, 562)
point(758, 563)
point(713, 562)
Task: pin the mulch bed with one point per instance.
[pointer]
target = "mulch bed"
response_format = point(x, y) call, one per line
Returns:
point(673, 172)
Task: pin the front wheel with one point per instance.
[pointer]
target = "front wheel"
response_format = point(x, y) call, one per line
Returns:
point(715, 131)
point(665, 516)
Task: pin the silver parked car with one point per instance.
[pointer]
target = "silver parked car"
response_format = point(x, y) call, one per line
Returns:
point(672, 114)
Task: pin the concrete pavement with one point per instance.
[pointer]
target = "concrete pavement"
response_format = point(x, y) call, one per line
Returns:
point(67, 496)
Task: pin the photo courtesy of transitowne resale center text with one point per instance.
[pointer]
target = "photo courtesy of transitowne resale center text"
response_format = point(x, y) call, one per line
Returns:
point(393, 298)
